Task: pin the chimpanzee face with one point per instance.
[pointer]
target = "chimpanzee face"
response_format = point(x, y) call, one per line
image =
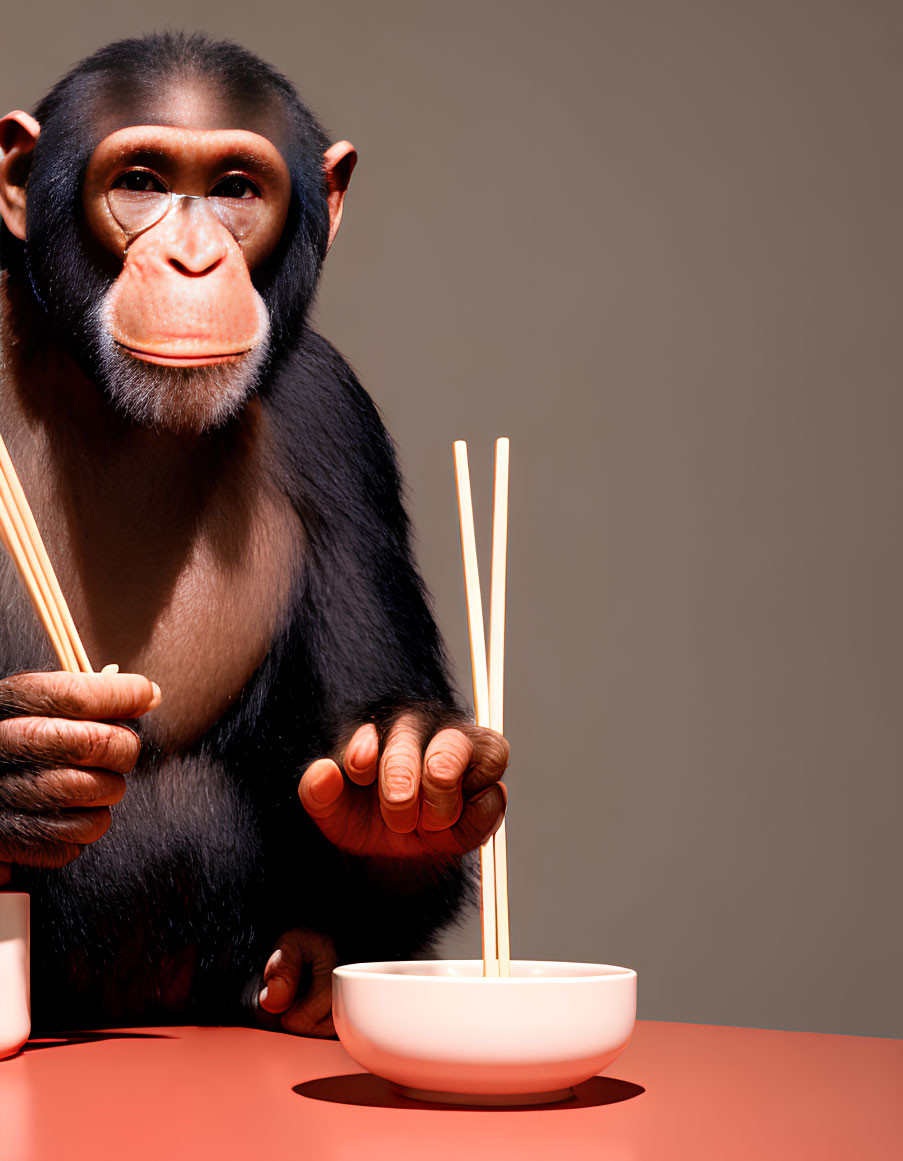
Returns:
point(190, 213)
point(195, 214)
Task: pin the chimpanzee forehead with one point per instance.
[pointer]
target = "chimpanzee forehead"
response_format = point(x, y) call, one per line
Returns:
point(193, 103)
point(180, 149)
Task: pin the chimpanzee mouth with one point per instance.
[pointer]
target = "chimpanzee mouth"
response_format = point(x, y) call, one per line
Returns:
point(183, 360)
point(193, 392)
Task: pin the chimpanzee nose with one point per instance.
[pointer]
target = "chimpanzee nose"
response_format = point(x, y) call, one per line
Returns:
point(197, 241)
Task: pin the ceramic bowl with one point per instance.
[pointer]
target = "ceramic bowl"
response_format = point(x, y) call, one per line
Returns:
point(438, 1030)
point(15, 1021)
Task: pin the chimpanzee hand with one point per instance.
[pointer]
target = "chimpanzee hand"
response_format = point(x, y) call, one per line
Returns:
point(62, 761)
point(298, 983)
point(408, 798)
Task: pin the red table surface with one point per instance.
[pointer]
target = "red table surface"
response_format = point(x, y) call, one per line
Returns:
point(678, 1091)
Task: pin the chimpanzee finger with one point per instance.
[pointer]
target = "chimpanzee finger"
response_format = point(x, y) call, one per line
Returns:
point(77, 826)
point(303, 962)
point(281, 977)
point(290, 970)
point(480, 818)
point(490, 760)
point(86, 696)
point(49, 840)
point(322, 791)
point(42, 741)
point(399, 775)
point(445, 762)
point(60, 789)
point(48, 855)
point(361, 758)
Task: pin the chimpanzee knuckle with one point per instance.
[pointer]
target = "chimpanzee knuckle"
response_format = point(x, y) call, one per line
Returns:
point(76, 695)
point(398, 782)
point(318, 950)
point(89, 743)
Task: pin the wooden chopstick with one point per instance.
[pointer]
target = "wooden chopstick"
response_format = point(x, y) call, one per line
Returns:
point(488, 686)
point(23, 541)
point(480, 691)
point(497, 682)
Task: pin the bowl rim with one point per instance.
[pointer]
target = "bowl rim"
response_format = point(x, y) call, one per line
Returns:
point(371, 971)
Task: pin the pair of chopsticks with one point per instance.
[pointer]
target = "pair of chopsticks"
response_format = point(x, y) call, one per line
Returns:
point(22, 540)
point(488, 687)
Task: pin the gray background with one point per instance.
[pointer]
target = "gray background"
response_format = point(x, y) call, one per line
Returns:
point(658, 245)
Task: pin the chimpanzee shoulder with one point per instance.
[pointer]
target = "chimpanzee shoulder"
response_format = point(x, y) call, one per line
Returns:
point(330, 433)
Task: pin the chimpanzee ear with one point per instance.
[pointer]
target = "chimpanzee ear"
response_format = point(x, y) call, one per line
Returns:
point(18, 134)
point(338, 162)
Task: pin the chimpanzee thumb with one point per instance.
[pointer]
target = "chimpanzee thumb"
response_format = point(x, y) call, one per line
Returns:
point(298, 980)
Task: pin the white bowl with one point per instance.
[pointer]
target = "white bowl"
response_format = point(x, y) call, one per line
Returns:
point(15, 1023)
point(438, 1030)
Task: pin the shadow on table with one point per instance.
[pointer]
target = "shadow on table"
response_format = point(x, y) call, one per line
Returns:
point(67, 1038)
point(360, 1088)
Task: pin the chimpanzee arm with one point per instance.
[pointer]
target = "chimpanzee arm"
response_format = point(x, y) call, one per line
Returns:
point(361, 646)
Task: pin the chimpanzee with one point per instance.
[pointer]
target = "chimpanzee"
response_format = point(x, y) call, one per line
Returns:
point(222, 505)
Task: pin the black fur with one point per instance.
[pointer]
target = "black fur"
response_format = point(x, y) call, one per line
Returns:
point(210, 856)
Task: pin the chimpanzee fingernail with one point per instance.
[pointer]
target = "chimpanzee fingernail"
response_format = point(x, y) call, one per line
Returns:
point(157, 698)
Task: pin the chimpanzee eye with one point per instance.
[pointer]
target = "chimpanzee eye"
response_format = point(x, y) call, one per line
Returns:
point(139, 181)
point(235, 186)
